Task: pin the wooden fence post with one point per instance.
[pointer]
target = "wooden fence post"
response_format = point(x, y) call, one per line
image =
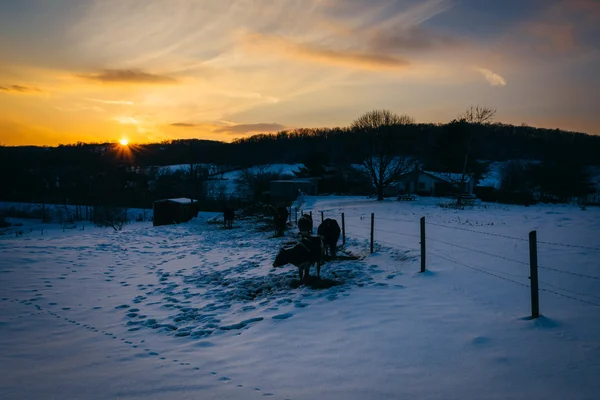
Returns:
point(343, 230)
point(533, 272)
point(372, 229)
point(423, 244)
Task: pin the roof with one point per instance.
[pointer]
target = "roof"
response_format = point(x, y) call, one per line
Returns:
point(292, 181)
point(180, 200)
point(448, 176)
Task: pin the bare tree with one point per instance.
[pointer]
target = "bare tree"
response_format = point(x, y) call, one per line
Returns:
point(384, 163)
point(110, 216)
point(374, 120)
point(252, 182)
point(478, 115)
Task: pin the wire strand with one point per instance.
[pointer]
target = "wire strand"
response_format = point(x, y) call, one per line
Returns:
point(479, 269)
point(568, 290)
point(478, 251)
point(476, 231)
point(568, 245)
point(397, 233)
point(568, 297)
point(570, 273)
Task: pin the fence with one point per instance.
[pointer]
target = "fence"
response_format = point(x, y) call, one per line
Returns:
point(365, 226)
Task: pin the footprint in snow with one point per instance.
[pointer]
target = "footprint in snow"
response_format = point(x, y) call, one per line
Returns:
point(282, 316)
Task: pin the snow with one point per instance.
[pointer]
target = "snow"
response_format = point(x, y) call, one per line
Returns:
point(228, 184)
point(195, 311)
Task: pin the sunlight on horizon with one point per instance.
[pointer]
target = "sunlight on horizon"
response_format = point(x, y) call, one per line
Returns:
point(124, 142)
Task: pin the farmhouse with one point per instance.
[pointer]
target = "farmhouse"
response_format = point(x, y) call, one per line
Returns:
point(430, 183)
point(174, 211)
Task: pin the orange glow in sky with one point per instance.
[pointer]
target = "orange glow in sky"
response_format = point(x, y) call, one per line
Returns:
point(155, 70)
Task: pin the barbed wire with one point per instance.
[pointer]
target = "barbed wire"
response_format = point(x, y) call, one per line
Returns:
point(395, 245)
point(568, 297)
point(478, 269)
point(476, 231)
point(478, 251)
point(397, 233)
point(569, 273)
point(502, 272)
point(568, 290)
point(402, 220)
point(568, 245)
point(360, 227)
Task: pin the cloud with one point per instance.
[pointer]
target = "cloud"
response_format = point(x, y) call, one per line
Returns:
point(19, 89)
point(250, 128)
point(79, 108)
point(128, 76)
point(184, 125)
point(493, 78)
point(411, 39)
point(315, 53)
point(123, 102)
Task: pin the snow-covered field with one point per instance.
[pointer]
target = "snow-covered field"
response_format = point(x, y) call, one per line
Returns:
point(195, 311)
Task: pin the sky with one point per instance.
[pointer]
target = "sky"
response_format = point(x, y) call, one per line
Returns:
point(153, 70)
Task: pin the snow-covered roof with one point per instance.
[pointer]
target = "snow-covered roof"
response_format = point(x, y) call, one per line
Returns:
point(448, 176)
point(293, 180)
point(180, 200)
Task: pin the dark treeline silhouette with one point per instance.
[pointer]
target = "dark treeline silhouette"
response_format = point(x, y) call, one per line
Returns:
point(108, 174)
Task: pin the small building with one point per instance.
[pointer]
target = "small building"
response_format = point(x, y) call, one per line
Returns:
point(288, 190)
point(174, 211)
point(431, 183)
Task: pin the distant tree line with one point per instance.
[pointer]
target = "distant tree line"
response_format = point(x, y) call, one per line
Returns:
point(100, 174)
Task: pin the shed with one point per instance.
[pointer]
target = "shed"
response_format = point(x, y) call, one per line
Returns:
point(174, 211)
point(288, 190)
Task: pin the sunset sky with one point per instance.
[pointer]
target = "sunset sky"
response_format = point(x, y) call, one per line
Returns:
point(153, 70)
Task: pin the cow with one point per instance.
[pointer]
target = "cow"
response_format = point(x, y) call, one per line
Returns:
point(305, 225)
point(303, 255)
point(228, 216)
point(329, 231)
point(281, 219)
point(280, 216)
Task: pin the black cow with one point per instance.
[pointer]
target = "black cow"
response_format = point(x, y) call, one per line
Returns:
point(329, 231)
point(305, 225)
point(228, 216)
point(281, 218)
point(304, 254)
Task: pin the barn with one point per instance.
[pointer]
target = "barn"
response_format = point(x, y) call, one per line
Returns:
point(174, 211)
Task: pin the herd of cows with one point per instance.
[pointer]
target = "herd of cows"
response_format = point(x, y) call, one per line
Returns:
point(310, 250)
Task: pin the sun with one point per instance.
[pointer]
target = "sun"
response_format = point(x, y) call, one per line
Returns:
point(124, 142)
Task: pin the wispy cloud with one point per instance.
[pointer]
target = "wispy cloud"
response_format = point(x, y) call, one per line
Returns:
point(250, 128)
point(120, 102)
point(134, 76)
point(184, 125)
point(493, 78)
point(19, 89)
point(324, 55)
